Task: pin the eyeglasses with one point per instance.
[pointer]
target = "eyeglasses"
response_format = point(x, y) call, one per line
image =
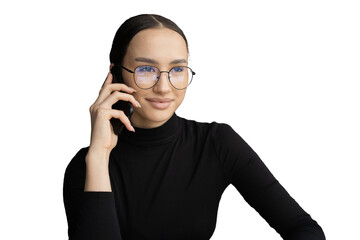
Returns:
point(146, 76)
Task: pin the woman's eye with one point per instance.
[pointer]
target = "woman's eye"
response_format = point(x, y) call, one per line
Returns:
point(178, 69)
point(146, 69)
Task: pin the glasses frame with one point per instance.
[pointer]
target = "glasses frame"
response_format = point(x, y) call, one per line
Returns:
point(158, 77)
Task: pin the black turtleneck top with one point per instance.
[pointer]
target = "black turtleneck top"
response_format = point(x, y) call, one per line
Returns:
point(167, 183)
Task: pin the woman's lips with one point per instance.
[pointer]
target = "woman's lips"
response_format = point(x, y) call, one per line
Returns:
point(160, 103)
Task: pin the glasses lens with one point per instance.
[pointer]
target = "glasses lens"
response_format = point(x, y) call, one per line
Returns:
point(146, 76)
point(180, 77)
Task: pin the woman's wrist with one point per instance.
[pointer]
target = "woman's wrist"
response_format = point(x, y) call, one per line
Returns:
point(98, 155)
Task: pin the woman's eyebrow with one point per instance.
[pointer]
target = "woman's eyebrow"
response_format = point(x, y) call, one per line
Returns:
point(147, 60)
point(176, 61)
point(153, 61)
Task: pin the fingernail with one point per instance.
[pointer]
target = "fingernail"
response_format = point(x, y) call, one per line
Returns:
point(138, 104)
point(133, 129)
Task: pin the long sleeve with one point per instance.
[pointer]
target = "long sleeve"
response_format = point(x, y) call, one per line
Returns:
point(245, 170)
point(90, 215)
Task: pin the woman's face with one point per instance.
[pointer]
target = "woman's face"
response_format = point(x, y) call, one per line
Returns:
point(163, 48)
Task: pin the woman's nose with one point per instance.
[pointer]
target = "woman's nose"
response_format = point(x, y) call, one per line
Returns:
point(163, 85)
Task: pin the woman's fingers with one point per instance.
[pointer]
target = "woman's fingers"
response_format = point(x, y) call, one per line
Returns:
point(108, 79)
point(102, 136)
point(109, 88)
point(116, 96)
point(123, 118)
point(108, 113)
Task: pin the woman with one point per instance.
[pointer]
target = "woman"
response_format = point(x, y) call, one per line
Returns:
point(163, 176)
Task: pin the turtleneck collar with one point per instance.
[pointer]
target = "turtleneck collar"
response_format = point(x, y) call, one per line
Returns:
point(152, 136)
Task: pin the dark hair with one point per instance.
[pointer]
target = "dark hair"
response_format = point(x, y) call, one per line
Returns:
point(132, 26)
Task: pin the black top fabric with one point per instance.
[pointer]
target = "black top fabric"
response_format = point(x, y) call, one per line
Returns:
point(167, 183)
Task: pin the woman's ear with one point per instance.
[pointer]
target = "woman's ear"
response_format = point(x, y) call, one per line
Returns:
point(111, 65)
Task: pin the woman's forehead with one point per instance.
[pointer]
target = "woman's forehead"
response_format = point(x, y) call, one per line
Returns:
point(157, 45)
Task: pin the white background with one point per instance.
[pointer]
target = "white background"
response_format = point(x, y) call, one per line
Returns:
point(284, 74)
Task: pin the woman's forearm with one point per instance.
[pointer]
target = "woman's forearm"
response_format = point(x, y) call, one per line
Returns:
point(97, 172)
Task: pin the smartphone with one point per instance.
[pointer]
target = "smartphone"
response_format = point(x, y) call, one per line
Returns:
point(125, 106)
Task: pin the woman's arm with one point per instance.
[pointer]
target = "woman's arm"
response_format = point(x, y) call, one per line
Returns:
point(268, 197)
point(90, 214)
point(245, 170)
point(97, 172)
point(88, 197)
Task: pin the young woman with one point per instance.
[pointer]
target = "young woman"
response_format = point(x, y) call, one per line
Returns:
point(163, 176)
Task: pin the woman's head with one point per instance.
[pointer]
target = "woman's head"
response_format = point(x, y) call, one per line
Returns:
point(134, 25)
point(157, 41)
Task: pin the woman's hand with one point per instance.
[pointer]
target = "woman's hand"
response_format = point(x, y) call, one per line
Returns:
point(103, 138)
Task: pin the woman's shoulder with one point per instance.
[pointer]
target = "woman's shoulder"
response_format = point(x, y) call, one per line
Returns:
point(222, 135)
point(78, 161)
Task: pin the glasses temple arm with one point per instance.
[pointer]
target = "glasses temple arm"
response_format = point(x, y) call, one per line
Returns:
point(126, 69)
